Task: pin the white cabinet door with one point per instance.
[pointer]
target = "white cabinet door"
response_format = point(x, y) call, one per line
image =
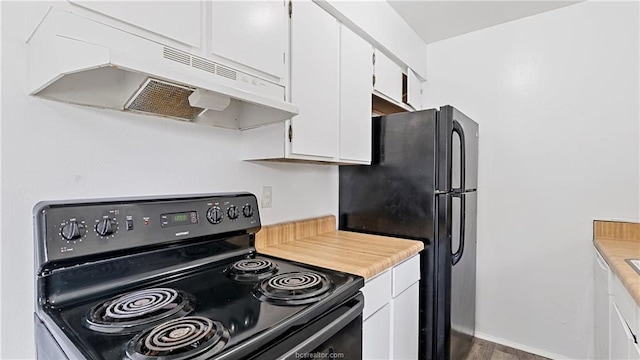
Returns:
point(634, 352)
point(376, 334)
point(177, 20)
point(621, 339)
point(414, 88)
point(601, 308)
point(252, 33)
point(356, 73)
point(404, 314)
point(388, 77)
point(315, 65)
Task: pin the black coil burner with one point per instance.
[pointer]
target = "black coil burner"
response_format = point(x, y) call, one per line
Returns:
point(294, 288)
point(251, 269)
point(185, 338)
point(135, 311)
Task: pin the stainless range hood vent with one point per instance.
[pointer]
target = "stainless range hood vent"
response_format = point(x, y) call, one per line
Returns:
point(77, 60)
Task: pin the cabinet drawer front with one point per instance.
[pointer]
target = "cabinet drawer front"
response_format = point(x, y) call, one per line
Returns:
point(377, 293)
point(405, 274)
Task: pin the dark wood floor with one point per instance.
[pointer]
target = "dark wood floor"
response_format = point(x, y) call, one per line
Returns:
point(485, 350)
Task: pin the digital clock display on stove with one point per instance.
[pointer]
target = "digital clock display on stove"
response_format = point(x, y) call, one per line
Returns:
point(176, 219)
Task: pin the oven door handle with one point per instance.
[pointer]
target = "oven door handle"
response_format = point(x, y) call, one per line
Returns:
point(327, 332)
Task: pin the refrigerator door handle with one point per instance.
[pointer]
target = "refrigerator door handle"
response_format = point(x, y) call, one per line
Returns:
point(455, 257)
point(457, 128)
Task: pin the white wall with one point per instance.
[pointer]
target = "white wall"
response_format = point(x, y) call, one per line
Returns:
point(556, 96)
point(57, 151)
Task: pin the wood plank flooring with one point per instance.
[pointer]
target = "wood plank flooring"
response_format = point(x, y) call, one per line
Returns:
point(486, 350)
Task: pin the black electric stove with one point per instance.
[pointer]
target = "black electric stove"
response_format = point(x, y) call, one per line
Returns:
point(178, 278)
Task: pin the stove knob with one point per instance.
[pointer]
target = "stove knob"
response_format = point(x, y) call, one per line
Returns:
point(72, 231)
point(214, 215)
point(104, 227)
point(247, 210)
point(233, 212)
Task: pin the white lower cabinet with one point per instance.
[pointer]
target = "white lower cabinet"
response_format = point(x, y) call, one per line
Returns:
point(617, 316)
point(376, 333)
point(602, 307)
point(405, 324)
point(390, 328)
point(621, 339)
point(634, 352)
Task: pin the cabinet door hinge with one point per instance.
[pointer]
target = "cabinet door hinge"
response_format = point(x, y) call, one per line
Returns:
point(290, 133)
point(374, 80)
point(290, 8)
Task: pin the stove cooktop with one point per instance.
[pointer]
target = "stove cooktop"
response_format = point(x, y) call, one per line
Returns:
point(173, 278)
point(211, 308)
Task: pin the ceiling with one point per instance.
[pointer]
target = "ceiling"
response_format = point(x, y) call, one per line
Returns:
point(438, 20)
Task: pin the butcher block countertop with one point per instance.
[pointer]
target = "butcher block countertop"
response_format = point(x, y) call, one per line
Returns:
point(618, 241)
point(317, 242)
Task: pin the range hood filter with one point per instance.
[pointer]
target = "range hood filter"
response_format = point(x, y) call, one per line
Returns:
point(163, 98)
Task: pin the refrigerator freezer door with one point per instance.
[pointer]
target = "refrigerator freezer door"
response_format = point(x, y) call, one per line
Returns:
point(457, 147)
point(395, 195)
point(463, 274)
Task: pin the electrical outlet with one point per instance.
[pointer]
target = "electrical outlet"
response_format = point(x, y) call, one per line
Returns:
point(267, 197)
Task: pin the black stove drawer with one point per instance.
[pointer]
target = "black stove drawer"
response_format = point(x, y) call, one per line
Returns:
point(336, 335)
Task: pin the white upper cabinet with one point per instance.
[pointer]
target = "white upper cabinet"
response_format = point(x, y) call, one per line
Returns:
point(177, 20)
point(388, 79)
point(414, 95)
point(331, 82)
point(252, 33)
point(356, 68)
point(379, 24)
point(315, 69)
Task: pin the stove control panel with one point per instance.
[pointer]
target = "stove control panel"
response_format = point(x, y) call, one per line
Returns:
point(65, 230)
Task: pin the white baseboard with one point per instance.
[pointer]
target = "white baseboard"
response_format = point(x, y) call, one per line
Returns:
point(518, 346)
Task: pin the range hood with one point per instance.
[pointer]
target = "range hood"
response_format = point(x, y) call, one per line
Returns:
point(77, 60)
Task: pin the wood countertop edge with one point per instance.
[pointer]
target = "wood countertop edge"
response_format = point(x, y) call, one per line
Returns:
point(366, 271)
point(345, 255)
point(611, 252)
point(316, 242)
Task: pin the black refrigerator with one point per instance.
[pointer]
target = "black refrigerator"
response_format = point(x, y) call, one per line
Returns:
point(422, 185)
